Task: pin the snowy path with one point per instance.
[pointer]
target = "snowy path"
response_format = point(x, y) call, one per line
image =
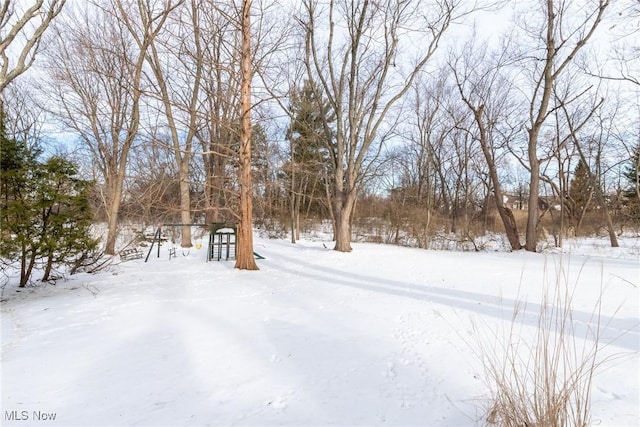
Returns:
point(374, 337)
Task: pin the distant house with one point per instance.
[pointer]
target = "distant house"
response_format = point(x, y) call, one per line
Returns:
point(515, 201)
point(521, 202)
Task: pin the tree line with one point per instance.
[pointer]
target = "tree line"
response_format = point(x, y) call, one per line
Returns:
point(376, 116)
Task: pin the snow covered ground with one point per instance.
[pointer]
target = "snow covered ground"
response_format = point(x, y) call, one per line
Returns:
point(379, 336)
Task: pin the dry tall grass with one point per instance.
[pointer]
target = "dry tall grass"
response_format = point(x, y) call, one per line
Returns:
point(542, 375)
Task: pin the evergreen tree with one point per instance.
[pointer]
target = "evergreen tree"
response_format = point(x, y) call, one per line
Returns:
point(307, 170)
point(632, 193)
point(580, 191)
point(65, 215)
point(17, 209)
point(45, 213)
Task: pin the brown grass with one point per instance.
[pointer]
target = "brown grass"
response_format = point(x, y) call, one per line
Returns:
point(541, 377)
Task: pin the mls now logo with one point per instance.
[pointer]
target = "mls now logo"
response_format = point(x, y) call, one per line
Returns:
point(29, 415)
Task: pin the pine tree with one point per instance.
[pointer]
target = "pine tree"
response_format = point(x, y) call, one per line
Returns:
point(632, 193)
point(45, 213)
point(17, 207)
point(306, 170)
point(580, 191)
point(65, 215)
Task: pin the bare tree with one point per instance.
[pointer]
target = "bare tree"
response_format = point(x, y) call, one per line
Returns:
point(574, 126)
point(442, 171)
point(564, 32)
point(177, 65)
point(487, 95)
point(152, 194)
point(424, 131)
point(97, 63)
point(219, 114)
point(357, 61)
point(622, 59)
point(23, 119)
point(21, 32)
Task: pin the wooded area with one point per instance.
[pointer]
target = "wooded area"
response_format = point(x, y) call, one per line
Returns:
point(396, 121)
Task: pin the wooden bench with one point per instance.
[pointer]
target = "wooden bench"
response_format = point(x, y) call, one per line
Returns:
point(129, 254)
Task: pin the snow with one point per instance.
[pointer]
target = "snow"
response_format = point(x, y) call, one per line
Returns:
point(379, 336)
point(225, 230)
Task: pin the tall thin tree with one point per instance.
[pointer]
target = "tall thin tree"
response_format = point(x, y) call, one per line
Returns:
point(177, 64)
point(245, 259)
point(561, 42)
point(477, 81)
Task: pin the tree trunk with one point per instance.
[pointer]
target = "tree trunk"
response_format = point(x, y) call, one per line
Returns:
point(293, 205)
point(506, 215)
point(508, 220)
point(292, 211)
point(244, 244)
point(113, 211)
point(534, 195)
point(23, 267)
point(330, 204)
point(48, 267)
point(612, 233)
point(583, 214)
point(343, 231)
point(28, 261)
point(185, 204)
point(343, 209)
point(603, 202)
